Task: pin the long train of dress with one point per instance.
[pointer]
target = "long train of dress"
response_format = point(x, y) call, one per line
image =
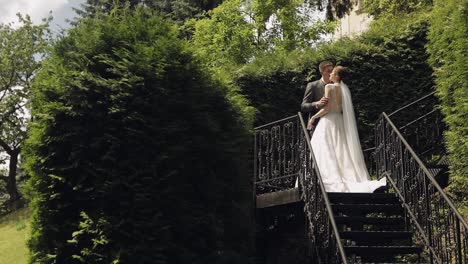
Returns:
point(331, 150)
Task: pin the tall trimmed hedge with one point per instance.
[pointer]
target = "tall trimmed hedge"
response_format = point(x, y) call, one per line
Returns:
point(136, 155)
point(448, 44)
point(389, 69)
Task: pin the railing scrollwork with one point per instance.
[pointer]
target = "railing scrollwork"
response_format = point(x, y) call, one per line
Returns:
point(322, 227)
point(282, 157)
point(276, 150)
point(437, 223)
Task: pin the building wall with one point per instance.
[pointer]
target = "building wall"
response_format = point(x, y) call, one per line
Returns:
point(353, 24)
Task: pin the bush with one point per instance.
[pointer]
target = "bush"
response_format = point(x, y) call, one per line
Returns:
point(273, 86)
point(448, 40)
point(395, 8)
point(136, 154)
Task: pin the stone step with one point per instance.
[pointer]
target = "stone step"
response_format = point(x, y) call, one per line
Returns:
point(362, 198)
point(377, 238)
point(385, 221)
point(382, 250)
point(363, 209)
point(380, 254)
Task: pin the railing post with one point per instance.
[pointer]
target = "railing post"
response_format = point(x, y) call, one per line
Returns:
point(459, 241)
point(402, 170)
point(325, 231)
point(382, 166)
point(429, 217)
point(255, 156)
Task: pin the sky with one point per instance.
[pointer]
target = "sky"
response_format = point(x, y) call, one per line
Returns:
point(38, 9)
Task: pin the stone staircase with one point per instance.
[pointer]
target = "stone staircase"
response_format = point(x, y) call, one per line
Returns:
point(372, 228)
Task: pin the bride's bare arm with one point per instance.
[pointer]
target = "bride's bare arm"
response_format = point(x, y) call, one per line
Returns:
point(322, 111)
point(326, 108)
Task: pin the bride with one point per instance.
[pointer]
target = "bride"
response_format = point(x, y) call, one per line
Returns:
point(335, 141)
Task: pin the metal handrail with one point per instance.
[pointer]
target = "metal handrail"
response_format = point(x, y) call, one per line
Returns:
point(426, 235)
point(411, 104)
point(418, 119)
point(275, 122)
point(281, 155)
point(426, 171)
point(421, 123)
point(323, 192)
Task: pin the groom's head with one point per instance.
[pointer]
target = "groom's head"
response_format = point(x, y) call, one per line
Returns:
point(325, 68)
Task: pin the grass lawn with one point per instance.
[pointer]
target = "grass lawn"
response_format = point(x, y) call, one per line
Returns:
point(14, 232)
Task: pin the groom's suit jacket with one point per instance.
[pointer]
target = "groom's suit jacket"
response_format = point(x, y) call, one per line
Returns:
point(313, 93)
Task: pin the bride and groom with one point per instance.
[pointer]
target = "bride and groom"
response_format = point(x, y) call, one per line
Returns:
point(335, 140)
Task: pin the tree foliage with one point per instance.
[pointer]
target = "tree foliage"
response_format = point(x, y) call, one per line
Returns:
point(176, 10)
point(136, 154)
point(226, 37)
point(286, 25)
point(238, 31)
point(396, 8)
point(182, 10)
point(448, 42)
point(20, 50)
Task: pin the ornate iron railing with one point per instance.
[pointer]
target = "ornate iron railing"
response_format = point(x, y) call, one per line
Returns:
point(436, 221)
point(276, 155)
point(323, 231)
point(282, 156)
point(276, 151)
point(421, 123)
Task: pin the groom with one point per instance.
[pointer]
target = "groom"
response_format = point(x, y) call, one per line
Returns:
point(313, 99)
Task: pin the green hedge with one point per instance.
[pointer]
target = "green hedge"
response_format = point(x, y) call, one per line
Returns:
point(389, 69)
point(136, 154)
point(448, 43)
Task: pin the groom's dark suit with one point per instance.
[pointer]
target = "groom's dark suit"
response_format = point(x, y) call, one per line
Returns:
point(313, 93)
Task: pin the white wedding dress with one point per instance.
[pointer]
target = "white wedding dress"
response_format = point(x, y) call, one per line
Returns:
point(336, 147)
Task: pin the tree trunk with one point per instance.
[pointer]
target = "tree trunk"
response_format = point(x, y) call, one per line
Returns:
point(11, 187)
